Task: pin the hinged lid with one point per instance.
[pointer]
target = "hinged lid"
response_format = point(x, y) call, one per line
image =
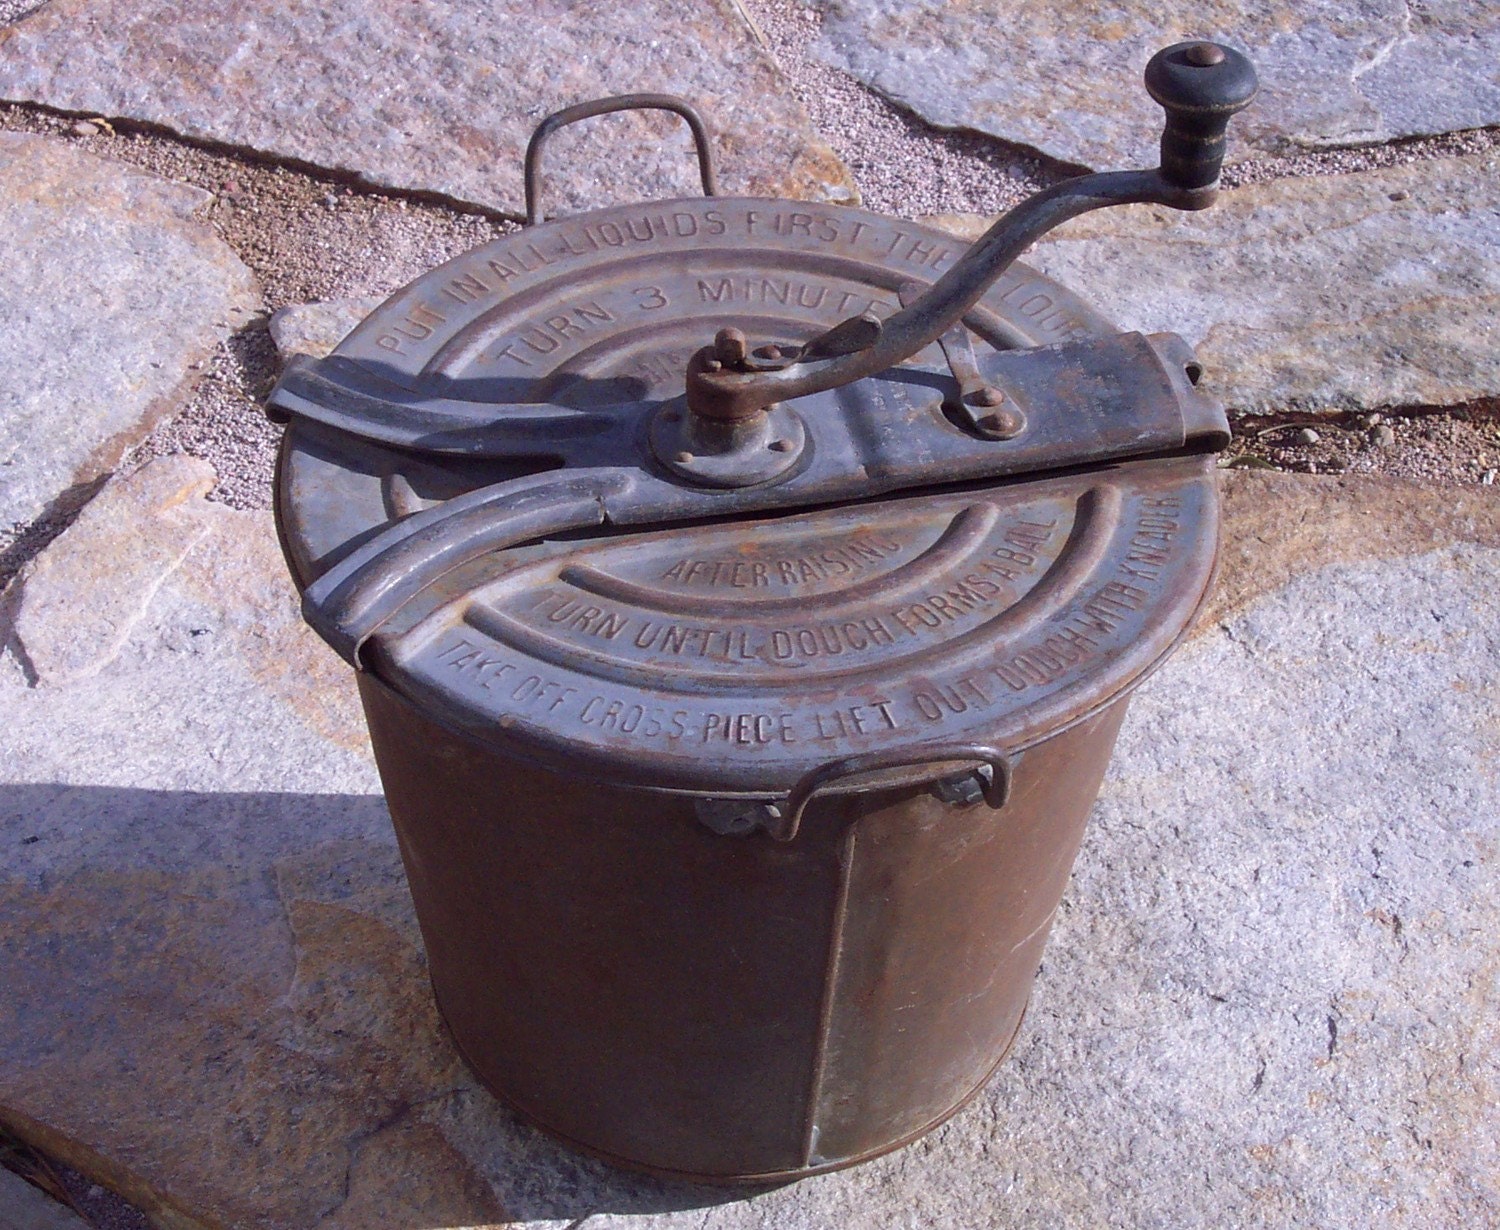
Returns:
point(736, 658)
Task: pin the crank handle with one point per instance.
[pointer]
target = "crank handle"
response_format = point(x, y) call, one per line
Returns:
point(1200, 85)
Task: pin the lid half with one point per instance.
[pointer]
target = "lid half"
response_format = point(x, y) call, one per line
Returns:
point(740, 658)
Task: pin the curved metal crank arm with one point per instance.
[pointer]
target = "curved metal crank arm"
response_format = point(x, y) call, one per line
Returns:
point(1200, 85)
point(730, 394)
point(342, 394)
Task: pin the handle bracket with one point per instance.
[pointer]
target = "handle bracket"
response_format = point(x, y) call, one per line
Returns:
point(995, 784)
point(604, 106)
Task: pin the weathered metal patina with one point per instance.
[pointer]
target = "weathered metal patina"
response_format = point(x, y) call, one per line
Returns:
point(735, 842)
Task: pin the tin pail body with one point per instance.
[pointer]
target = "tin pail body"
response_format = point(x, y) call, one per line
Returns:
point(729, 1008)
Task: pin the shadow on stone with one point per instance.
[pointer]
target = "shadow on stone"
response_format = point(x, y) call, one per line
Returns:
point(217, 1004)
point(31, 539)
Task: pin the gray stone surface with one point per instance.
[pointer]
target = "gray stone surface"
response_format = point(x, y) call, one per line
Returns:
point(75, 604)
point(1269, 1000)
point(1065, 78)
point(170, 825)
point(14, 10)
point(316, 328)
point(113, 294)
point(1278, 948)
point(23, 1207)
point(437, 97)
point(1344, 292)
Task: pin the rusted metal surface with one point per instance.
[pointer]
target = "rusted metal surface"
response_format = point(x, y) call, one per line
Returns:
point(1121, 397)
point(728, 1007)
point(595, 313)
point(744, 657)
point(709, 720)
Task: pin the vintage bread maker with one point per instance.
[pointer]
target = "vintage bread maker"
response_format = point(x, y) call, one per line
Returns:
point(744, 596)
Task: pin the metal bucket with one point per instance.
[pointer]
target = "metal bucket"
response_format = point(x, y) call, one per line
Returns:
point(737, 802)
point(670, 998)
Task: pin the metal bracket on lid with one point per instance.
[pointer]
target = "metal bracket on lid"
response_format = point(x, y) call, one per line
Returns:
point(977, 405)
point(1141, 402)
point(1200, 85)
point(352, 398)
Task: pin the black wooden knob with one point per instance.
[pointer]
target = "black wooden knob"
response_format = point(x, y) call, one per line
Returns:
point(1201, 85)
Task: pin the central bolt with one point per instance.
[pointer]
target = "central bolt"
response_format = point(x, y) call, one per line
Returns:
point(1204, 55)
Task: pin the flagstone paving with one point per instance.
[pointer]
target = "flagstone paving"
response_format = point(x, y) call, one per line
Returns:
point(1270, 995)
point(435, 97)
point(113, 295)
point(1065, 77)
point(316, 328)
point(14, 10)
point(23, 1207)
point(135, 532)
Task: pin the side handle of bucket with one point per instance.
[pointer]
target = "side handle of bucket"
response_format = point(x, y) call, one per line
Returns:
point(990, 768)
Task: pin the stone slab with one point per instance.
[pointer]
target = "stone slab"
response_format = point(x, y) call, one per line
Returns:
point(113, 294)
point(23, 1207)
point(14, 10)
point(1065, 78)
point(436, 97)
point(316, 328)
point(1270, 997)
point(76, 604)
point(1339, 293)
